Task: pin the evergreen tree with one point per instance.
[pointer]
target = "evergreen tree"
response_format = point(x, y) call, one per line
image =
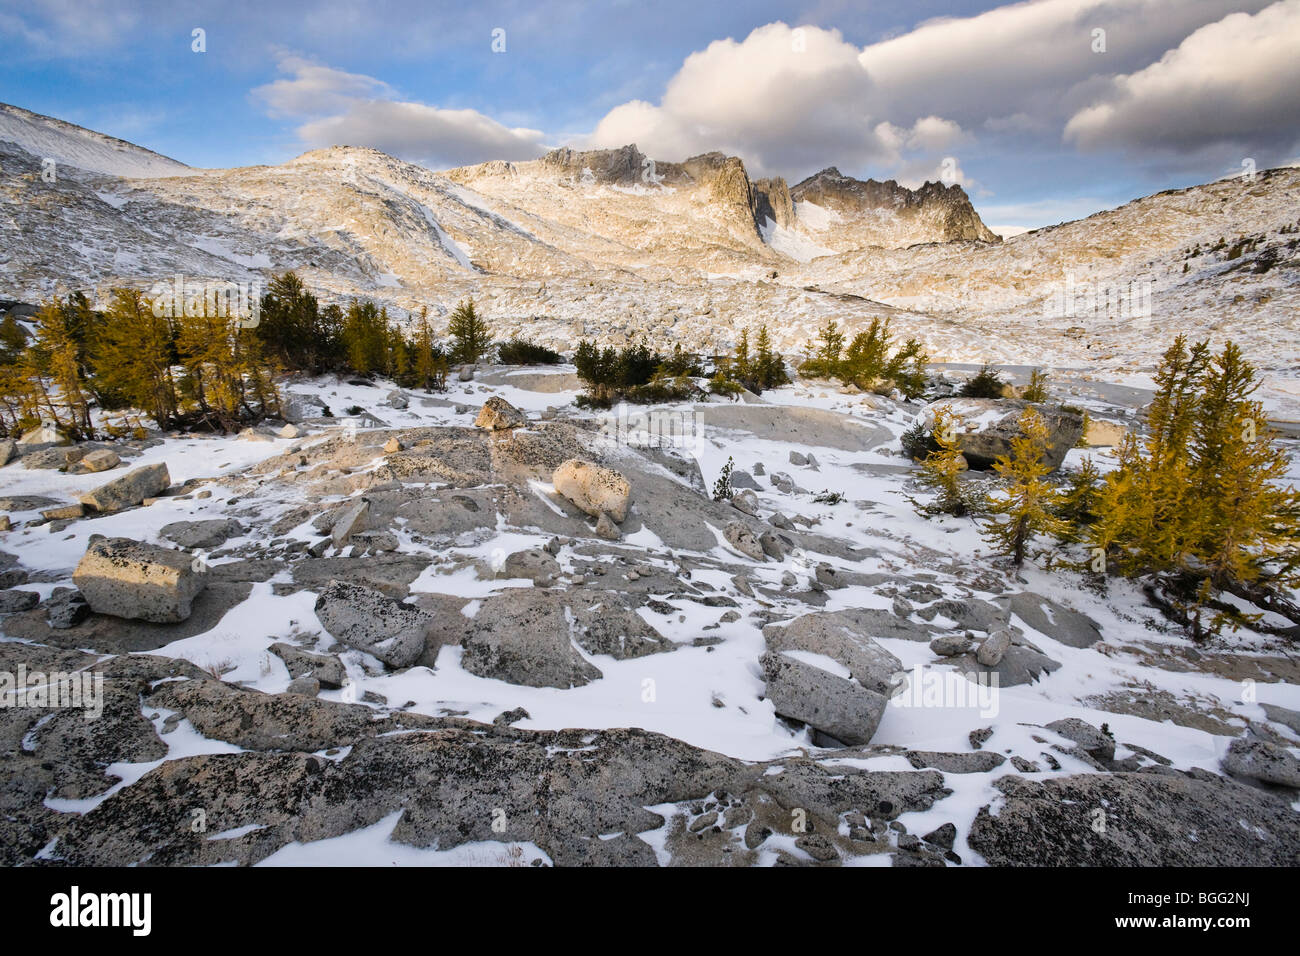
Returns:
point(1036, 390)
point(742, 369)
point(770, 371)
point(1029, 503)
point(430, 365)
point(1247, 522)
point(365, 338)
point(292, 328)
point(1080, 501)
point(56, 354)
point(13, 340)
point(134, 356)
point(941, 468)
point(470, 335)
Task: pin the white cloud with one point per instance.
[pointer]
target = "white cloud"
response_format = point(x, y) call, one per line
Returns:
point(1237, 80)
point(350, 109)
point(896, 107)
point(786, 99)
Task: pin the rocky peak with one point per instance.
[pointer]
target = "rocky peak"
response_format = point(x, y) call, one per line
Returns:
point(772, 200)
point(949, 205)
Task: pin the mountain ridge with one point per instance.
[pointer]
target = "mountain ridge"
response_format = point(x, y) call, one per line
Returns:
point(694, 252)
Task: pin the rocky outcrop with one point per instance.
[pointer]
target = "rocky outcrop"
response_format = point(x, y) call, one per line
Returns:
point(772, 200)
point(128, 579)
point(1140, 819)
point(947, 207)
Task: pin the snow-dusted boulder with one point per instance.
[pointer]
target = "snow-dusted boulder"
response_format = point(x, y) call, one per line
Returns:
point(594, 489)
point(985, 428)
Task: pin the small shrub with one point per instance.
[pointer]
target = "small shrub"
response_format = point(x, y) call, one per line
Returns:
point(722, 490)
point(985, 384)
point(517, 351)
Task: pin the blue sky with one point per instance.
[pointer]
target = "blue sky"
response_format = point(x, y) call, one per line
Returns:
point(1038, 115)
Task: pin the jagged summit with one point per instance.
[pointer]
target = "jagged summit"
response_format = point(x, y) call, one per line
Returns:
point(946, 208)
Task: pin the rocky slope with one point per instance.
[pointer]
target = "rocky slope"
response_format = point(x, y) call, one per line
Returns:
point(483, 627)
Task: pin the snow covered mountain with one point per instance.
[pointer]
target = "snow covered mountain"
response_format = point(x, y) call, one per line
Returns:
point(612, 244)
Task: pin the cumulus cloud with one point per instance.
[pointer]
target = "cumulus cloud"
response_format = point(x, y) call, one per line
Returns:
point(1236, 80)
point(782, 97)
point(792, 100)
point(337, 108)
point(789, 100)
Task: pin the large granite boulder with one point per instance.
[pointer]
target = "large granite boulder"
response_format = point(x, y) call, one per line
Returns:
point(129, 490)
point(594, 489)
point(370, 621)
point(129, 579)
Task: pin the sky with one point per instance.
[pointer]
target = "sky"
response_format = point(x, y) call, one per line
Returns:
point(1044, 111)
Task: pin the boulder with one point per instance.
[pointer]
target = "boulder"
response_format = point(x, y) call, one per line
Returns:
point(951, 645)
point(66, 608)
point(523, 636)
point(1262, 760)
point(833, 634)
point(745, 502)
point(290, 431)
point(466, 373)
point(743, 540)
point(1103, 434)
point(827, 701)
point(372, 622)
point(499, 415)
point(43, 435)
point(129, 490)
point(205, 535)
point(137, 581)
point(349, 521)
point(594, 489)
point(397, 400)
point(326, 669)
point(994, 648)
point(63, 512)
point(12, 601)
point(535, 564)
point(101, 459)
point(985, 428)
point(8, 451)
point(392, 446)
point(606, 528)
point(297, 408)
point(1087, 737)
